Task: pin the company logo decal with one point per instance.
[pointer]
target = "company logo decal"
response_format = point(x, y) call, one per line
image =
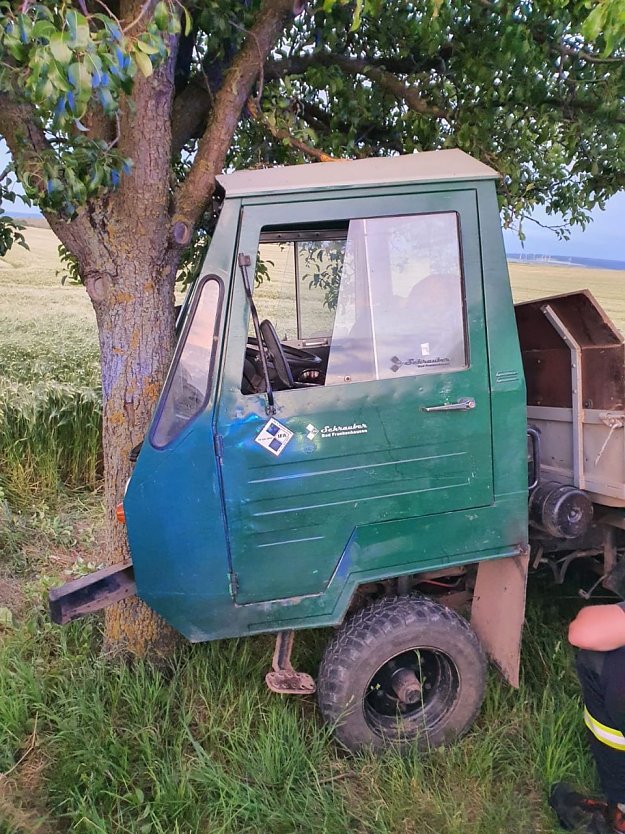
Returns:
point(274, 437)
point(397, 363)
point(336, 431)
point(312, 431)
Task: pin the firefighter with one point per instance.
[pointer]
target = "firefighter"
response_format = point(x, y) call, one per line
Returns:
point(598, 632)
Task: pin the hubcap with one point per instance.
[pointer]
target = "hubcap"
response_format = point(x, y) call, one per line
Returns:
point(411, 693)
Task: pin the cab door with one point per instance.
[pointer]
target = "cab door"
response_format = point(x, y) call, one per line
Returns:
point(401, 427)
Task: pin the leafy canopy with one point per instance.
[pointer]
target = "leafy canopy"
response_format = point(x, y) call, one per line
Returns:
point(62, 62)
point(537, 90)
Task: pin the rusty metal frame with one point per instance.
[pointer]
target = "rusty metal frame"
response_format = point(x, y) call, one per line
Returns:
point(91, 593)
point(283, 679)
point(579, 476)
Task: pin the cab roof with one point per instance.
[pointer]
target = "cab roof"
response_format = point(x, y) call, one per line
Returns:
point(428, 166)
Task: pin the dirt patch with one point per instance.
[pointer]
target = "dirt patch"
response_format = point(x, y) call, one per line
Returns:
point(12, 595)
point(22, 805)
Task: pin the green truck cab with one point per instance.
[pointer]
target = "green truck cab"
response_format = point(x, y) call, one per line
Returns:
point(342, 441)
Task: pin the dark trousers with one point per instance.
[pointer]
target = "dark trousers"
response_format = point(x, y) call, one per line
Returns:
point(602, 679)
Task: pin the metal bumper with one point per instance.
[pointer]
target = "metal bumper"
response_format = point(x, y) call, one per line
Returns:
point(91, 593)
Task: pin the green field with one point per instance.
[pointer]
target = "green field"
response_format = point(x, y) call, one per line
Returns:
point(541, 280)
point(88, 747)
point(37, 312)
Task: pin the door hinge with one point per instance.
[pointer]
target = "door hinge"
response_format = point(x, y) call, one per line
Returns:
point(233, 582)
point(219, 446)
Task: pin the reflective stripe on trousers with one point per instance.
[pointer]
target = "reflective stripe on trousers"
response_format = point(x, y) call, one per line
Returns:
point(607, 735)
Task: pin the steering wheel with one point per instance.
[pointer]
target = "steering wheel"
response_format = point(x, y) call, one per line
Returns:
point(283, 354)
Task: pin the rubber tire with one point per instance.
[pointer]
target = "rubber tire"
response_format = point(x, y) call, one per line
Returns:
point(374, 635)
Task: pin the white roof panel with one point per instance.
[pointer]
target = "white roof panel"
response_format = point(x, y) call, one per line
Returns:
point(428, 166)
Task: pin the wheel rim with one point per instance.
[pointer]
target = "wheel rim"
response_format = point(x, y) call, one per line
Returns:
point(439, 682)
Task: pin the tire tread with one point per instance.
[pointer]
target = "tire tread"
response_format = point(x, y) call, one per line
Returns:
point(364, 629)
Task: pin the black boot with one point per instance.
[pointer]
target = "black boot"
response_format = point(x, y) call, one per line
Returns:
point(577, 812)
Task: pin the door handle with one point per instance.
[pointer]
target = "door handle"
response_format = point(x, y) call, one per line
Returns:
point(465, 404)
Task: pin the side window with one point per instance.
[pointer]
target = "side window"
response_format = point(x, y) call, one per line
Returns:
point(296, 282)
point(187, 387)
point(400, 306)
point(274, 288)
point(381, 298)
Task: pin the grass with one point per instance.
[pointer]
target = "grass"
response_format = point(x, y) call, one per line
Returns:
point(49, 375)
point(202, 746)
point(32, 295)
point(88, 747)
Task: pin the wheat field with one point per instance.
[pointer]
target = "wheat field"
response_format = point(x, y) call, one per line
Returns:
point(531, 281)
point(37, 310)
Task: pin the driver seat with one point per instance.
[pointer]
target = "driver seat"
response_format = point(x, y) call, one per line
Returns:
point(280, 362)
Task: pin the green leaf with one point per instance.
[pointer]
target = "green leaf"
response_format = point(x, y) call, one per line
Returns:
point(43, 29)
point(78, 28)
point(148, 48)
point(57, 75)
point(18, 50)
point(44, 90)
point(174, 27)
point(107, 101)
point(80, 78)
point(188, 22)
point(59, 48)
point(357, 15)
point(594, 23)
point(144, 63)
point(161, 15)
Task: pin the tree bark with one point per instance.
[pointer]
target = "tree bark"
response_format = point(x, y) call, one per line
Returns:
point(136, 332)
point(131, 283)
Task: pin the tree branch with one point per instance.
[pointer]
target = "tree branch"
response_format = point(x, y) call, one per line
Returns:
point(145, 135)
point(190, 112)
point(194, 193)
point(193, 104)
point(26, 140)
point(282, 134)
point(358, 66)
point(24, 137)
point(323, 123)
point(573, 104)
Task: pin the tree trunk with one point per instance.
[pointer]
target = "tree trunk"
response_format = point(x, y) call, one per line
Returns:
point(134, 303)
point(128, 256)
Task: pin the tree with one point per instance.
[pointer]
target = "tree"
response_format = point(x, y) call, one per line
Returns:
point(118, 118)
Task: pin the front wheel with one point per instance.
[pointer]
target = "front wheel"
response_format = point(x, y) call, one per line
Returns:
point(402, 671)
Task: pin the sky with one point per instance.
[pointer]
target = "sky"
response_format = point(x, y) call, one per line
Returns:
point(603, 238)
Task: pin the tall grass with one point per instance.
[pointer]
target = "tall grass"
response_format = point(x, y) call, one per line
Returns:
point(50, 434)
point(202, 746)
point(49, 377)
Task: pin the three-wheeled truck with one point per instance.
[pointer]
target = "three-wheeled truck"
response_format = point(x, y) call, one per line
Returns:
point(344, 432)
